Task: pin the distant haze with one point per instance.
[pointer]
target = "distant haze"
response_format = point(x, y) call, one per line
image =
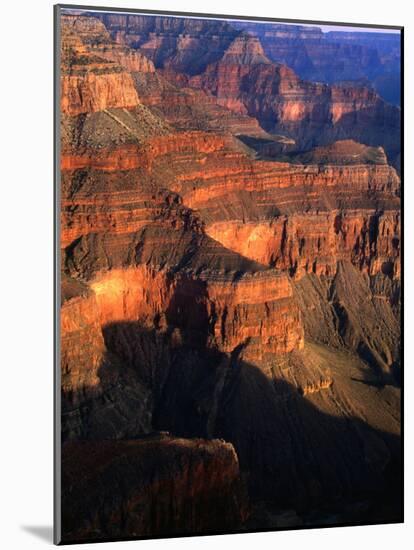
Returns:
point(337, 28)
point(324, 28)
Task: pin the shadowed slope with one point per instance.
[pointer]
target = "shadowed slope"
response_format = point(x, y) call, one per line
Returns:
point(214, 294)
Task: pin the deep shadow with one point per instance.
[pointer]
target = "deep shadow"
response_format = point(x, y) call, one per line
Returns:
point(42, 532)
point(369, 382)
point(168, 376)
point(291, 454)
point(360, 125)
point(266, 148)
point(387, 134)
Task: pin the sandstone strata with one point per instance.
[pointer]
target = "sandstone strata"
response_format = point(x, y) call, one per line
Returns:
point(148, 485)
point(311, 113)
point(370, 59)
point(217, 288)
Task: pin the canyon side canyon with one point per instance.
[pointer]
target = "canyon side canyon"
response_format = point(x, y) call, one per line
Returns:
point(230, 245)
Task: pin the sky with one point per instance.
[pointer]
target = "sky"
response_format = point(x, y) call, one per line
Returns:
point(325, 28)
point(337, 28)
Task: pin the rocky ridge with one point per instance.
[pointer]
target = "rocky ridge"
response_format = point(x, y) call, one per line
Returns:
point(215, 294)
point(312, 113)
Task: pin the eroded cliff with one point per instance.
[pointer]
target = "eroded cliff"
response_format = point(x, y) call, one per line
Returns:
point(138, 481)
point(219, 290)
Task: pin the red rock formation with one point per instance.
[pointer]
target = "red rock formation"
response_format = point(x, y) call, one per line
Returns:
point(89, 92)
point(283, 103)
point(84, 31)
point(88, 82)
point(367, 58)
point(227, 311)
point(130, 157)
point(315, 242)
point(172, 41)
point(245, 81)
point(131, 60)
point(90, 35)
point(82, 346)
point(190, 109)
point(309, 231)
point(158, 486)
point(197, 279)
point(234, 308)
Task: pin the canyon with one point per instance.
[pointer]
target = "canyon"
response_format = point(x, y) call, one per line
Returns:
point(230, 245)
point(264, 84)
point(363, 58)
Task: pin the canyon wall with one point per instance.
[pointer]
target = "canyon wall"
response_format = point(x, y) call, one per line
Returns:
point(266, 85)
point(209, 291)
point(142, 497)
point(311, 113)
point(333, 56)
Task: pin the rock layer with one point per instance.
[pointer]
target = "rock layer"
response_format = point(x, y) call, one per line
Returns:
point(147, 487)
point(332, 56)
point(311, 113)
point(221, 282)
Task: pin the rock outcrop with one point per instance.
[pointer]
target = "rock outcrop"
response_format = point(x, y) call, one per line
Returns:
point(334, 56)
point(257, 81)
point(311, 113)
point(172, 42)
point(156, 486)
point(90, 82)
point(219, 281)
point(190, 109)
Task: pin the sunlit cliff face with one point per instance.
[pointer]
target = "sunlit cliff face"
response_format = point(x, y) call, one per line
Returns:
point(230, 269)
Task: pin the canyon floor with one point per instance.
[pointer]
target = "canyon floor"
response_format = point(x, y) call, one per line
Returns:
point(230, 284)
